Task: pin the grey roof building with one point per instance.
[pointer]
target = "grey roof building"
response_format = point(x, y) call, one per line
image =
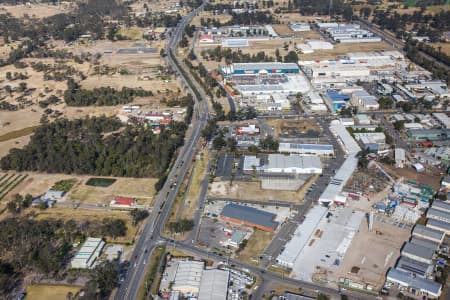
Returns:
point(249, 216)
point(441, 205)
point(414, 267)
point(439, 225)
point(425, 286)
point(425, 243)
point(428, 233)
point(417, 252)
point(214, 285)
point(437, 214)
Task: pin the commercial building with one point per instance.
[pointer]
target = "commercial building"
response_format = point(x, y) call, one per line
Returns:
point(443, 119)
point(352, 33)
point(428, 90)
point(400, 157)
point(374, 56)
point(315, 149)
point(283, 164)
point(188, 277)
point(414, 267)
point(441, 205)
point(439, 225)
point(206, 38)
point(296, 164)
point(332, 193)
point(362, 119)
point(417, 252)
point(428, 134)
point(364, 101)
point(301, 236)
point(416, 285)
point(372, 141)
point(426, 243)
point(247, 130)
point(235, 43)
point(261, 68)
point(87, 256)
point(236, 238)
point(437, 214)
point(334, 73)
point(214, 285)
point(249, 216)
point(300, 27)
point(431, 234)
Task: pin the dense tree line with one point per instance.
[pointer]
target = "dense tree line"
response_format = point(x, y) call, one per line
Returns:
point(76, 96)
point(252, 18)
point(43, 245)
point(97, 146)
point(319, 7)
point(232, 56)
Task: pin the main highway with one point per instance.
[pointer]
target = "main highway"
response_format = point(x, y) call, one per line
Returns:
point(155, 222)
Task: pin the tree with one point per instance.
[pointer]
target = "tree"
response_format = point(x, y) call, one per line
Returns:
point(269, 143)
point(399, 125)
point(105, 277)
point(385, 103)
point(291, 57)
point(219, 142)
point(138, 215)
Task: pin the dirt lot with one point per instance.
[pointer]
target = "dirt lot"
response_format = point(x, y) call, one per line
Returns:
point(252, 191)
point(255, 247)
point(36, 10)
point(141, 188)
point(284, 29)
point(373, 253)
point(411, 174)
point(445, 47)
point(341, 49)
point(294, 128)
point(54, 292)
point(206, 14)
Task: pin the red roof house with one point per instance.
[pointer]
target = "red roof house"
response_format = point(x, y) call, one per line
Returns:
point(124, 202)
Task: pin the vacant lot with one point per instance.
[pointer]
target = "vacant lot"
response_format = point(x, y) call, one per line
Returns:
point(80, 215)
point(141, 188)
point(445, 47)
point(206, 14)
point(54, 292)
point(255, 247)
point(409, 173)
point(372, 254)
point(252, 191)
point(294, 128)
point(343, 48)
point(284, 29)
point(35, 10)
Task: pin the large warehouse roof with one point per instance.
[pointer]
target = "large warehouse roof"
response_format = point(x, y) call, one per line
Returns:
point(214, 285)
point(349, 143)
point(423, 242)
point(301, 236)
point(188, 274)
point(428, 232)
point(438, 224)
point(441, 205)
point(264, 66)
point(410, 280)
point(288, 147)
point(413, 266)
point(437, 214)
point(417, 250)
point(250, 215)
point(280, 161)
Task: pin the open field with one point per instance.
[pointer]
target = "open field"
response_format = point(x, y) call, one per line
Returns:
point(88, 215)
point(9, 181)
point(54, 292)
point(141, 188)
point(255, 247)
point(284, 29)
point(343, 48)
point(445, 47)
point(132, 33)
point(293, 128)
point(192, 197)
point(207, 14)
point(13, 143)
point(372, 253)
point(35, 10)
point(17, 133)
point(409, 173)
point(252, 191)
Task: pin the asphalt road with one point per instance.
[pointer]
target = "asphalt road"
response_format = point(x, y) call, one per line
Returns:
point(155, 222)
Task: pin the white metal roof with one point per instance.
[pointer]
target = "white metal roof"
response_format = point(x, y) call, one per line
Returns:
point(214, 285)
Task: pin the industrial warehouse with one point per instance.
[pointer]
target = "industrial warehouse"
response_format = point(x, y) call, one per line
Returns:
point(283, 164)
point(249, 216)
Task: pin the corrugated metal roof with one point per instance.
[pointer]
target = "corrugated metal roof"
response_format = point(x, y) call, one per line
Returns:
point(280, 161)
point(214, 285)
point(423, 242)
point(438, 223)
point(428, 232)
point(441, 205)
point(406, 278)
point(417, 250)
point(413, 266)
point(438, 214)
point(265, 66)
point(250, 214)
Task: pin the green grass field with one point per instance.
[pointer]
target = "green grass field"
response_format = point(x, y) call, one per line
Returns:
point(410, 2)
point(53, 292)
point(101, 182)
